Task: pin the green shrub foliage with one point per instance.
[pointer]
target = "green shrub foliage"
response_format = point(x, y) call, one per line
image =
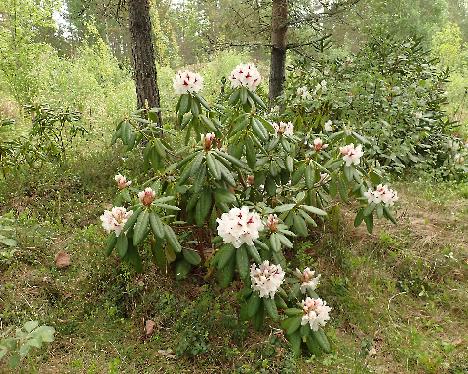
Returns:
point(229, 191)
point(50, 136)
point(392, 92)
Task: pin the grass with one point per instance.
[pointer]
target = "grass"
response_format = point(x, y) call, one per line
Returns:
point(399, 295)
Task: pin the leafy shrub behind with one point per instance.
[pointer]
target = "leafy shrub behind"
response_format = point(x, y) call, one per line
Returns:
point(392, 92)
point(51, 134)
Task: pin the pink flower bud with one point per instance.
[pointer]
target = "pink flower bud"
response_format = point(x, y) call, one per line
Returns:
point(146, 196)
point(122, 181)
point(272, 222)
point(207, 140)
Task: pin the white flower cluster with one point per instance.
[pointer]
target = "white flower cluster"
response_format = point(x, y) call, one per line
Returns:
point(328, 126)
point(122, 181)
point(245, 75)
point(382, 194)
point(351, 155)
point(115, 219)
point(239, 226)
point(146, 196)
point(187, 82)
point(308, 279)
point(459, 159)
point(284, 128)
point(303, 93)
point(315, 313)
point(266, 278)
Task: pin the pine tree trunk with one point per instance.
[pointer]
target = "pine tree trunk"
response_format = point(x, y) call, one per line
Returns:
point(279, 28)
point(144, 67)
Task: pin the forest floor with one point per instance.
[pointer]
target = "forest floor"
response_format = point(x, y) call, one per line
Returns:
point(399, 296)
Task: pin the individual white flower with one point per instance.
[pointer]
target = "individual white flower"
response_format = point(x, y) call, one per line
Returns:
point(266, 278)
point(315, 313)
point(303, 93)
point(351, 155)
point(387, 195)
point(459, 159)
point(245, 75)
point(319, 145)
point(393, 199)
point(146, 196)
point(418, 115)
point(283, 128)
point(382, 194)
point(187, 82)
point(239, 226)
point(275, 109)
point(122, 181)
point(322, 86)
point(453, 145)
point(272, 222)
point(372, 197)
point(328, 126)
point(207, 140)
point(308, 279)
point(115, 219)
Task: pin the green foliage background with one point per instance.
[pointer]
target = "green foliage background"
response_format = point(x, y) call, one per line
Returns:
point(82, 63)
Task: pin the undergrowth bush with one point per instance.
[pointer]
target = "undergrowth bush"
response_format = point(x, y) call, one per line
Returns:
point(49, 138)
point(8, 241)
point(449, 48)
point(259, 185)
point(103, 90)
point(392, 92)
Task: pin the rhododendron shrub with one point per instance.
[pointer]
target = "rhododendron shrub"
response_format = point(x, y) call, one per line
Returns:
point(231, 188)
point(400, 114)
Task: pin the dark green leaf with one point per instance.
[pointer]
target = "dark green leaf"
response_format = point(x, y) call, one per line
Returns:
point(156, 225)
point(111, 242)
point(140, 228)
point(122, 245)
point(270, 307)
point(253, 304)
point(224, 255)
point(322, 340)
point(242, 262)
point(192, 257)
point(292, 324)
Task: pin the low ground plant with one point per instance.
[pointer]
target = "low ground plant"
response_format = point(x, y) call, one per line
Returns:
point(17, 346)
